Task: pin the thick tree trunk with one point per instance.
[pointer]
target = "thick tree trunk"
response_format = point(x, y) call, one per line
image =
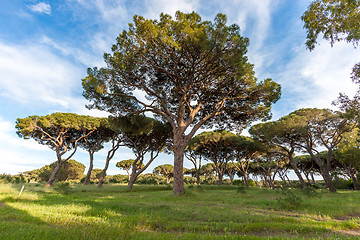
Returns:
point(296, 170)
point(197, 177)
point(231, 178)
point(325, 174)
point(220, 178)
point(328, 180)
point(298, 174)
point(87, 178)
point(103, 173)
point(246, 178)
point(54, 174)
point(132, 179)
point(179, 150)
point(329, 159)
point(355, 182)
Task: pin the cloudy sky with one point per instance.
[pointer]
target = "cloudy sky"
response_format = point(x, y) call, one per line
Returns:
point(46, 47)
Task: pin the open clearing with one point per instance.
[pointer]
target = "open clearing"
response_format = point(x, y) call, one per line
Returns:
point(153, 212)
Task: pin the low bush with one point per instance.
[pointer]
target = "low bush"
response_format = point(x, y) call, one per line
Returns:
point(241, 189)
point(310, 192)
point(63, 188)
point(289, 200)
point(340, 183)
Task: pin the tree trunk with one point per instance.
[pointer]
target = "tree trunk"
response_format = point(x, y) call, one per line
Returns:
point(354, 180)
point(328, 180)
point(324, 173)
point(287, 178)
point(246, 178)
point(179, 150)
point(132, 179)
point(298, 174)
point(103, 173)
point(220, 178)
point(231, 176)
point(87, 178)
point(197, 177)
point(329, 159)
point(115, 146)
point(313, 179)
point(296, 170)
point(307, 177)
point(54, 173)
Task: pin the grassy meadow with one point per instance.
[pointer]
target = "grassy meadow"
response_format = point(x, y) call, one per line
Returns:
point(153, 212)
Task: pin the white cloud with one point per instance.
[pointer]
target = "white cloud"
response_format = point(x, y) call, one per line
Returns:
point(316, 78)
point(82, 56)
point(41, 7)
point(154, 8)
point(112, 16)
point(32, 74)
point(18, 155)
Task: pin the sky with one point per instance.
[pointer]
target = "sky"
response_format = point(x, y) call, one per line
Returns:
point(47, 46)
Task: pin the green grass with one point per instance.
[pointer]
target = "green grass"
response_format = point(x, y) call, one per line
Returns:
point(153, 212)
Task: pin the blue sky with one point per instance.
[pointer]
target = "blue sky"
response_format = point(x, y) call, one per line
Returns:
point(47, 46)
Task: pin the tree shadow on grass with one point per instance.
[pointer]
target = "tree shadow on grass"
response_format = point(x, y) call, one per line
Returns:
point(18, 224)
point(122, 213)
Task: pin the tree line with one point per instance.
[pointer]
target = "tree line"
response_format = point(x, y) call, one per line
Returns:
point(269, 152)
point(191, 74)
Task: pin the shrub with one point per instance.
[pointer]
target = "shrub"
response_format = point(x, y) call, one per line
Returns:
point(251, 183)
point(63, 188)
point(341, 183)
point(289, 200)
point(240, 189)
point(311, 192)
point(189, 180)
point(119, 178)
point(150, 178)
point(7, 178)
point(238, 182)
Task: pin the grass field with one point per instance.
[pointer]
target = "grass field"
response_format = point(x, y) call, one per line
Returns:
point(153, 212)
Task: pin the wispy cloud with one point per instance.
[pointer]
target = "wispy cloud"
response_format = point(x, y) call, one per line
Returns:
point(314, 79)
point(31, 156)
point(154, 8)
point(32, 74)
point(40, 7)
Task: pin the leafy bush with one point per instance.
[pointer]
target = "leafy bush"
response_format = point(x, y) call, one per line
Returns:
point(238, 182)
point(119, 178)
point(70, 170)
point(63, 188)
point(7, 178)
point(289, 200)
point(340, 183)
point(311, 192)
point(150, 178)
point(199, 188)
point(241, 189)
point(189, 180)
point(251, 183)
